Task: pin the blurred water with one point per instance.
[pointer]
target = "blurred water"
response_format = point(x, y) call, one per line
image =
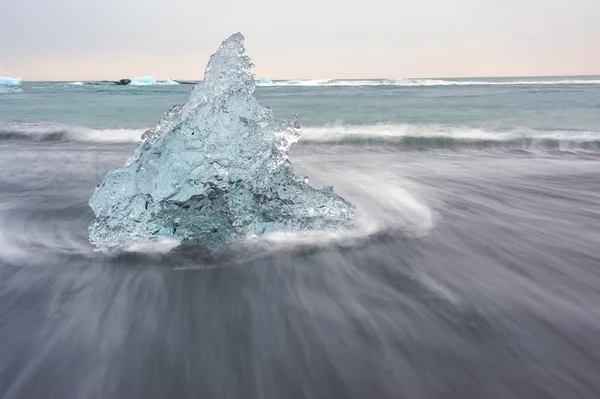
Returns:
point(473, 271)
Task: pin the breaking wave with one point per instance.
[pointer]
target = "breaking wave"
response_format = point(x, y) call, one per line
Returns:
point(450, 137)
point(392, 135)
point(57, 132)
point(430, 82)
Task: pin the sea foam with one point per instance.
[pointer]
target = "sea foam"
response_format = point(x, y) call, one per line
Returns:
point(397, 135)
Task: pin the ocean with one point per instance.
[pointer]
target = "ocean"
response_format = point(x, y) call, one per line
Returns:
point(473, 270)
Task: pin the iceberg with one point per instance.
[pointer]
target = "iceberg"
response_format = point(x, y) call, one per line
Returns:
point(265, 81)
point(10, 81)
point(213, 171)
point(143, 81)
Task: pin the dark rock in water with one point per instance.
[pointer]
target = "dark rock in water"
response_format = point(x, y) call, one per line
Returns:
point(123, 82)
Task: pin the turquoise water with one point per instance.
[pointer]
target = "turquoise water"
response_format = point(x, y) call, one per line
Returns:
point(464, 108)
point(472, 271)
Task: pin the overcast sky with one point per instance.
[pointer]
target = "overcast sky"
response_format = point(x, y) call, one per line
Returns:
point(112, 39)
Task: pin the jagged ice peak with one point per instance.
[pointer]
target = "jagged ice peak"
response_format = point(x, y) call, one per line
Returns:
point(214, 170)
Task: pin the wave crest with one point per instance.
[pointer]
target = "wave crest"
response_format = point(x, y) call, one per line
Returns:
point(57, 132)
point(429, 82)
point(405, 136)
point(450, 137)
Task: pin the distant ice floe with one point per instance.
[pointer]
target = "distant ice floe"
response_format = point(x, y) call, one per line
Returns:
point(150, 81)
point(265, 81)
point(168, 82)
point(10, 81)
point(143, 81)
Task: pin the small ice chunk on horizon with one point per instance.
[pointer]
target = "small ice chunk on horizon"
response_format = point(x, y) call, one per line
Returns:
point(168, 82)
point(10, 81)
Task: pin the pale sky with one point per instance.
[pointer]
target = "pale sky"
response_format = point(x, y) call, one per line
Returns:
point(308, 39)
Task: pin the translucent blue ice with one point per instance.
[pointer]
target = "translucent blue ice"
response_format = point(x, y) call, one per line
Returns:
point(214, 170)
point(10, 81)
point(143, 81)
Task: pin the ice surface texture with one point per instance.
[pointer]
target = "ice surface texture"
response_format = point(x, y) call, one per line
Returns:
point(213, 170)
point(10, 81)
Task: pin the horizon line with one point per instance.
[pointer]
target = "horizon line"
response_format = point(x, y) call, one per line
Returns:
point(309, 79)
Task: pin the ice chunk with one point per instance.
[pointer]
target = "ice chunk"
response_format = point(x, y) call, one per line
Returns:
point(213, 170)
point(10, 81)
point(143, 81)
point(169, 82)
point(265, 81)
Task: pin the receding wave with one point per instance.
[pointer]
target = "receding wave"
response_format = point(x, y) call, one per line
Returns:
point(56, 132)
point(400, 136)
point(433, 82)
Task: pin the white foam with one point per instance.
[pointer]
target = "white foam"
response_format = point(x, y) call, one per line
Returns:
point(112, 135)
point(159, 246)
point(58, 132)
point(326, 134)
point(342, 132)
